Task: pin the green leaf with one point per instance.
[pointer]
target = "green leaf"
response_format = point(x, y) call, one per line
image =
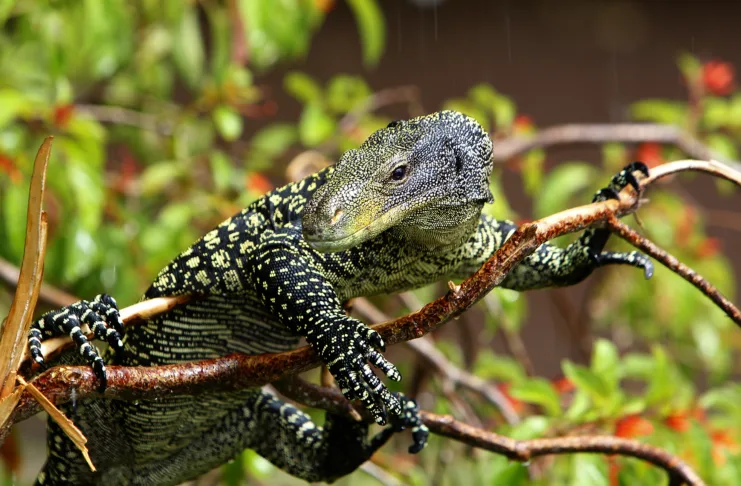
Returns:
point(502, 108)
point(315, 125)
point(532, 171)
point(540, 392)
point(13, 103)
point(6, 7)
point(221, 37)
point(14, 207)
point(660, 111)
point(372, 27)
point(589, 470)
point(561, 184)
point(513, 305)
point(723, 145)
point(346, 92)
point(715, 113)
point(491, 366)
point(187, 50)
point(233, 473)
point(530, 428)
point(587, 381)
point(222, 170)
point(228, 122)
point(81, 252)
point(606, 362)
point(734, 110)
point(661, 385)
point(88, 194)
point(302, 87)
point(637, 365)
point(512, 474)
point(689, 65)
point(157, 176)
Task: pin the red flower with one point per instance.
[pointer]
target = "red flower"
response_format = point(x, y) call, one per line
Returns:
point(563, 385)
point(650, 154)
point(633, 426)
point(517, 405)
point(8, 166)
point(63, 114)
point(718, 77)
point(324, 5)
point(523, 124)
point(258, 183)
point(723, 444)
point(679, 421)
point(708, 248)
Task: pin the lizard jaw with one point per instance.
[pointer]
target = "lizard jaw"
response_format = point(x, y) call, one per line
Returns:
point(358, 235)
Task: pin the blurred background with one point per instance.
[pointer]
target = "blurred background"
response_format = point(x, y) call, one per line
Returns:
point(170, 116)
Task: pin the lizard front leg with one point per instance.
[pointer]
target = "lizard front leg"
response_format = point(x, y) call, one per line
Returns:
point(549, 265)
point(294, 289)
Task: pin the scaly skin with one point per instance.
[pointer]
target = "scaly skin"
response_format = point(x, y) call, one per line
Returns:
point(400, 212)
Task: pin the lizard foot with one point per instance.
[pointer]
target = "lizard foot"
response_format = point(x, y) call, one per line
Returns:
point(410, 419)
point(347, 346)
point(100, 314)
point(621, 180)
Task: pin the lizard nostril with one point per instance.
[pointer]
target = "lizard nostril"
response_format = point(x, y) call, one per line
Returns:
point(337, 215)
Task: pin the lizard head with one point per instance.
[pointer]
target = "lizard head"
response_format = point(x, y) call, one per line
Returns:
point(426, 179)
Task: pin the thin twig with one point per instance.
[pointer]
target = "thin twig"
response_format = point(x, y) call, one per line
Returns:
point(507, 148)
point(49, 294)
point(117, 115)
point(380, 99)
point(519, 450)
point(379, 474)
point(673, 264)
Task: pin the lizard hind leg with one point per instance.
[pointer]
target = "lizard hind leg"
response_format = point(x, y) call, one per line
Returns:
point(285, 436)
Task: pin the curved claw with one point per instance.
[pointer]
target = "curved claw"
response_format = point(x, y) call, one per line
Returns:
point(420, 433)
point(376, 340)
point(384, 365)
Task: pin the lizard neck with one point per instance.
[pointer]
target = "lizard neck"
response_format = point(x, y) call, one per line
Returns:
point(442, 230)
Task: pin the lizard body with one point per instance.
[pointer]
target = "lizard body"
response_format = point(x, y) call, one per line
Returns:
point(400, 212)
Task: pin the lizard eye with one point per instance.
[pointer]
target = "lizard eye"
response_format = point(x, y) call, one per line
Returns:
point(399, 173)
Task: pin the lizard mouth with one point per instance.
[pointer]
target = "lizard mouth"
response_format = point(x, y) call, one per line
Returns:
point(343, 240)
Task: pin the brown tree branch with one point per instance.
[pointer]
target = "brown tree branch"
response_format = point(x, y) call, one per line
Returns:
point(331, 399)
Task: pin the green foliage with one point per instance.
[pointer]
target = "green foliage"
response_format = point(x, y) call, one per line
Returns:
point(151, 104)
